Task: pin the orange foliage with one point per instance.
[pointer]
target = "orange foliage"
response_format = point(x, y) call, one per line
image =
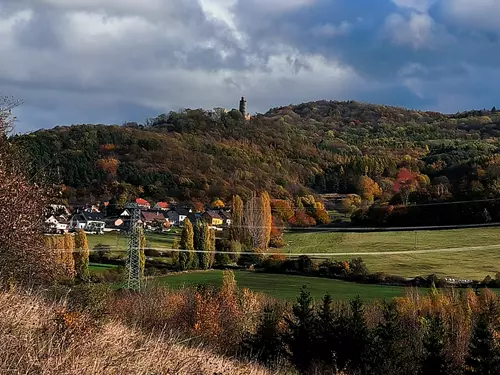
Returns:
point(368, 189)
point(321, 216)
point(302, 219)
point(217, 204)
point(108, 165)
point(107, 148)
point(282, 208)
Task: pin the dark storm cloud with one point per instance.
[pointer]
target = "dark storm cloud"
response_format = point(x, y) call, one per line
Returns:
point(117, 60)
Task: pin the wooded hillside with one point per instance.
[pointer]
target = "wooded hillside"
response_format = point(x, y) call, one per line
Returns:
point(323, 146)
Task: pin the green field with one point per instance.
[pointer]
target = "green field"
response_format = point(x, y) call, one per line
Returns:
point(465, 263)
point(119, 242)
point(98, 267)
point(286, 286)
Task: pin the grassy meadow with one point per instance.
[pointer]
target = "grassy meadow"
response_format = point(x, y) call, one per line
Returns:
point(379, 250)
point(465, 263)
point(285, 287)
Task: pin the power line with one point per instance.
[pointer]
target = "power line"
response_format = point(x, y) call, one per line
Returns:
point(375, 253)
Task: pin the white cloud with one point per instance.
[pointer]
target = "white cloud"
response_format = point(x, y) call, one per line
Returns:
point(476, 14)
point(419, 5)
point(416, 30)
point(108, 56)
point(279, 5)
point(330, 30)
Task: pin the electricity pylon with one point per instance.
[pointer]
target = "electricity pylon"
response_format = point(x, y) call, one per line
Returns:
point(133, 259)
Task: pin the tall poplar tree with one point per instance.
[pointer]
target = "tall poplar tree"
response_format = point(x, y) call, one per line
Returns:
point(258, 220)
point(237, 230)
point(81, 255)
point(186, 253)
point(202, 244)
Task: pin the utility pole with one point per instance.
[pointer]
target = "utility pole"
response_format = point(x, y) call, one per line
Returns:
point(133, 259)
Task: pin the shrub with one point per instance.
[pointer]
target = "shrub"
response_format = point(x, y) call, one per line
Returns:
point(302, 219)
point(152, 253)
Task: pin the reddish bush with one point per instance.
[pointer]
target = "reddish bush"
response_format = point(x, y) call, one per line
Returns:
point(302, 219)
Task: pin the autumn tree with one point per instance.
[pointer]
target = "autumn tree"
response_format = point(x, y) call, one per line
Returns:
point(81, 255)
point(350, 203)
point(142, 254)
point(186, 253)
point(405, 183)
point(202, 244)
point(302, 219)
point(267, 218)
point(368, 189)
point(67, 252)
point(217, 203)
point(24, 258)
point(282, 208)
point(211, 247)
point(258, 220)
point(237, 230)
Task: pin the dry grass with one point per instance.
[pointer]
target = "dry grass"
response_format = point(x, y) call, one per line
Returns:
point(41, 338)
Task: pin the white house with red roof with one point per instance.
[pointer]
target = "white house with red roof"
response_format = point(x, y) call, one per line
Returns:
point(161, 206)
point(142, 203)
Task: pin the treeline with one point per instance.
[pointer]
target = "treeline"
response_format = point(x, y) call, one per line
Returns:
point(386, 155)
point(356, 270)
point(452, 333)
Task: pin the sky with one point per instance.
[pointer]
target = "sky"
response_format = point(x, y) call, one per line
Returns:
point(111, 61)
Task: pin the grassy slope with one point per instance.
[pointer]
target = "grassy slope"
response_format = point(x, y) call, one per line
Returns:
point(468, 264)
point(286, 286)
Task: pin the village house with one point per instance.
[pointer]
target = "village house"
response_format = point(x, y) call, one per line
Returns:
point(57, 224)
point(226, 217)
point(142, 203)
point(163, 206)
point(153, 219)
point(177, 215)
point(212, 218)
point(92, 222)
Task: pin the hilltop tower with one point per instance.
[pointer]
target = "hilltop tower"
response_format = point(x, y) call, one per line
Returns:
point(243, 107)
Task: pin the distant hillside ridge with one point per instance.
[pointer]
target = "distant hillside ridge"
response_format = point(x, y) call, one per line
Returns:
point(318, 147)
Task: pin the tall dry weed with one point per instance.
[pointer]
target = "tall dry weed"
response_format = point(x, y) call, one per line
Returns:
point(41, 338)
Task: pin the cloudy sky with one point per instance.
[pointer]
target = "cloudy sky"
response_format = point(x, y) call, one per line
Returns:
point(109, 61)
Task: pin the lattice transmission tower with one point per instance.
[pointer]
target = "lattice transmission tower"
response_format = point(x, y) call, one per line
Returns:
point(133, 258)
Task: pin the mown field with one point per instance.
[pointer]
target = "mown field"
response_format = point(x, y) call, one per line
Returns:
point(119, 241)
point(473, 263)
point(285, 287)
point(379, 250)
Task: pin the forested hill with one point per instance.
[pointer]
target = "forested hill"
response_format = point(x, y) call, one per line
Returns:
point(323, 146)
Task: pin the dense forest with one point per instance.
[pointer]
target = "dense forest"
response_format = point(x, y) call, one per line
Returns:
point(390, 156)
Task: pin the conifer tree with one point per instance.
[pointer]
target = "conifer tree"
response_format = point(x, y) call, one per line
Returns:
point(186, 254)
point(484, 350)
point(267, 343)
point(81, 255)
point(300, 338)
point(326, 332)
point(434, 361)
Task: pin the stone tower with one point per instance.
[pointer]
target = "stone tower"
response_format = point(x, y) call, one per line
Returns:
point(243, 107)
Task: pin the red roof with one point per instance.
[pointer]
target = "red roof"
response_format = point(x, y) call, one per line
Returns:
point(162, 204)
point(142, 202)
